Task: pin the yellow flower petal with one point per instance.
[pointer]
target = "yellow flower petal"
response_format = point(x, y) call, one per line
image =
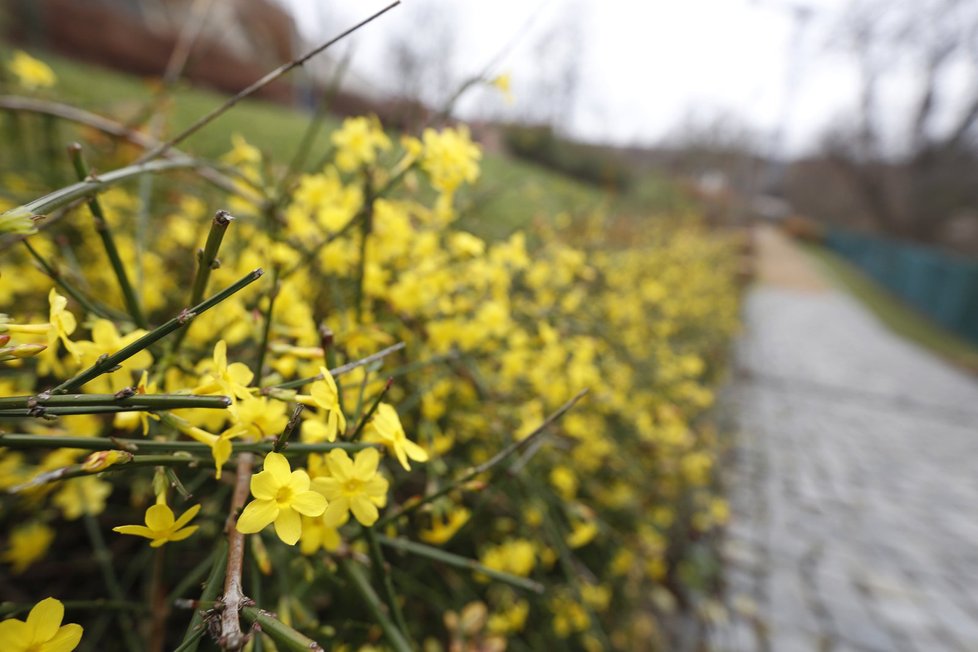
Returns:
point(309, 503)
point(337, 512)
point(278, 467)
point(339, 464)
point(220, 357)
point(364, 510)
point(180, 535)
point(186, 516)
point(366, 463)
point(415, 452)
point(66, 640)
point(328, 487)
point(159, 517)
point(288, 526)
point(137, 530)
point(263, 486)
point(14, 635)
point(45, 618)
point(256, 516)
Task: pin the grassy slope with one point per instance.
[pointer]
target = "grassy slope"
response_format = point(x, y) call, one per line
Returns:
point(899, 317)
point(508, 196)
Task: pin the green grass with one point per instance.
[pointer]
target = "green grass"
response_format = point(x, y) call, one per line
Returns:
point(273, 128)
point(509, 195)
point(896, 315)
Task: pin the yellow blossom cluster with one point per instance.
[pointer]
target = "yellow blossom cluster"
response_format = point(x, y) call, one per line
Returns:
point(495, 336)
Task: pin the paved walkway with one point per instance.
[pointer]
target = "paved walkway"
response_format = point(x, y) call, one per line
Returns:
point(855, 482)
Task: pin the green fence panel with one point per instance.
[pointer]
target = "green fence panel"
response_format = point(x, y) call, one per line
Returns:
point(942, 286)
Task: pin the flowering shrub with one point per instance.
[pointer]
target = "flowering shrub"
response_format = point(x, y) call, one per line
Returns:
point(386, 365)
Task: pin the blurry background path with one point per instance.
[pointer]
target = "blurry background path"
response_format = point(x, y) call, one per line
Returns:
point(855, 483)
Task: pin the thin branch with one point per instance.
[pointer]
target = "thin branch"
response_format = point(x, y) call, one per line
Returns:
point(109, 362)
point(119, 130)
point(281, 633)
point(22, 441)
point(359, 581)
point(458, 561)
point(488, 465)
point(258, 85)
point(108, 240)
point(64, 196)
point(339, 371)
point(233, 600)
point(212, 586)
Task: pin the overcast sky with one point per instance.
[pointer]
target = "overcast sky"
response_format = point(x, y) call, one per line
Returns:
point(645, 64)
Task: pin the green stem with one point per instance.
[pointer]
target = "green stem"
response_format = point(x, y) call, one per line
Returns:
point(22, 441)
point(108, 241)
point(78, 470)
point(64, 196)
point(103, 557)
point(458, 561)
point(488, 465)
point(382, 574)
point(69, 410)
point(373, 408)
point(267, 328)
point(281, 633)
point(106, 364)
point(282, 441)
point(348, 367)
point(13, 609)
point(395, 637)
point(147, 401)
point(212, 587)
point(366, 226)
point(191, 579)
point(67, 286)
point(206, 262)
point(565, 557)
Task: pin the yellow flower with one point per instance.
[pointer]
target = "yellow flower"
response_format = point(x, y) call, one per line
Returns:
point(257, 418)
point(358, 141)
point(385, 427)
point(229, 379)
point(62, 324)
point(352, 485)
point(220, 446)
point(582, 534)
point(161, 527)
point(42, 632)
point(316, 535)
point(504, 84)
point(450, 158)
point(323, 394)
point(81, 496)
point(31, 73)
point(28, 543)
point(101, 460)
point(106, 340)
point(129, 420)
point(443, 528)
point(281, 495)
point(242, 153)
point(516, 556)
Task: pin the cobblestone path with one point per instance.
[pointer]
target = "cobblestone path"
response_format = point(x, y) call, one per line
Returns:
point(854, 485)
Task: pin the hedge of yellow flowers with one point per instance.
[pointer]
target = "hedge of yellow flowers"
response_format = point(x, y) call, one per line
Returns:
point(381, 442)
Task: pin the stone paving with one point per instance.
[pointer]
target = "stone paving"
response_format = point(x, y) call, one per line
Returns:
point(854, 486)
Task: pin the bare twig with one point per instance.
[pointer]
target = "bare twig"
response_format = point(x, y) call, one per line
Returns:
point(232, 638)
point(339, 371)
point(258, 85)
point(488, 465)
point(119, 130)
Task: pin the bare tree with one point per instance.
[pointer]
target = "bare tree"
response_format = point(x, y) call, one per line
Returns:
point(914, 173)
